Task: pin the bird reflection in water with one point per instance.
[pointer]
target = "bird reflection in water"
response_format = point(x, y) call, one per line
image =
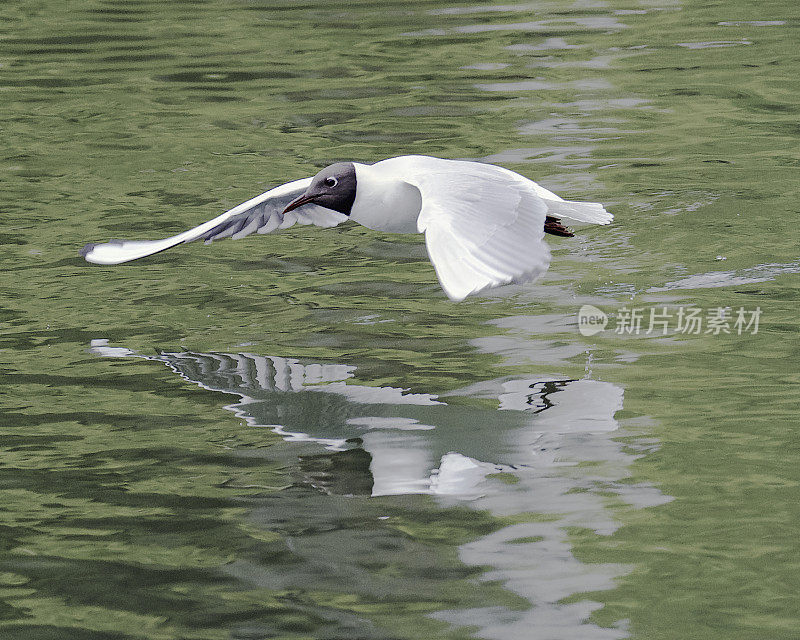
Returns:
point(549, 448)
point(359, 439)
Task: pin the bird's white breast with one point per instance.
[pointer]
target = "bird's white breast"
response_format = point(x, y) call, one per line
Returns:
point(384, 202)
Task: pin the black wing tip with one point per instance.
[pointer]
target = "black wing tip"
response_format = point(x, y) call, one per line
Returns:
point(87, 249)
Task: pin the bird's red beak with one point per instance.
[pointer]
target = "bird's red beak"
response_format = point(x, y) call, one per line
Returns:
point(298, 202)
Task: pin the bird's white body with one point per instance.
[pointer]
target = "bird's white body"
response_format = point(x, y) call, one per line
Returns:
point(385, 202)
point(483, 224)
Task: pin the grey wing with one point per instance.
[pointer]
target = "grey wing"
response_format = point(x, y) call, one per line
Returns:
point(261, 214)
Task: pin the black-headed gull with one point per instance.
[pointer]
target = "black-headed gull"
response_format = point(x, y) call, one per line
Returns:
point(484, 225)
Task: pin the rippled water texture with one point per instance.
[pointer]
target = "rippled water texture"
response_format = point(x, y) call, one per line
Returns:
point(298, 435)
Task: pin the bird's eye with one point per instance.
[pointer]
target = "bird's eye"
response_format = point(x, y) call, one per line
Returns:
point(331, 181)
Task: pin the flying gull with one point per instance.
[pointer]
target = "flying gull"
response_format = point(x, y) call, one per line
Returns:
point(484, 225)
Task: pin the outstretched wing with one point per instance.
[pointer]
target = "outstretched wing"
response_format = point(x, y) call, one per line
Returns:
point(483, 226)
point(262, 214)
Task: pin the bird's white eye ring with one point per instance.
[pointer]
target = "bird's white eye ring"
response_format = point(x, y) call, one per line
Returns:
point(330, 181)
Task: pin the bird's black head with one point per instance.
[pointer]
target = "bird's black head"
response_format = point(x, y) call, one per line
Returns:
point(333, 188)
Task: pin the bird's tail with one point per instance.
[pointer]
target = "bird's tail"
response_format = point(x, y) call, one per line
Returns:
point(590, 212)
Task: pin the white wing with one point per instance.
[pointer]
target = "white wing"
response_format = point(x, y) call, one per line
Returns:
point(261, 214)
point(483, 226)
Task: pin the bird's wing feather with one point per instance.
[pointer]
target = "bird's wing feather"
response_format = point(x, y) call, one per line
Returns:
point(483, 227)
point(262, 214)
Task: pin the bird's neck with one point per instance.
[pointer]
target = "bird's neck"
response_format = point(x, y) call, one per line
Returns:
point(385, 203)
